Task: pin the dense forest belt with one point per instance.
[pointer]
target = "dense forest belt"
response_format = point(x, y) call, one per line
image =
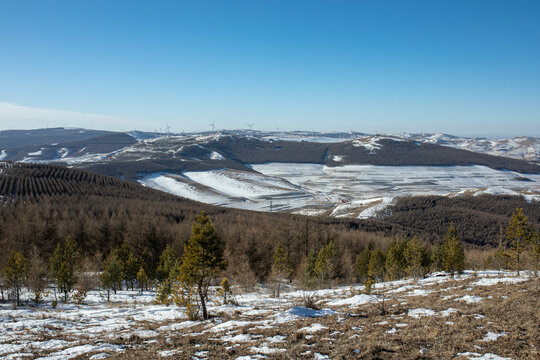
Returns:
point(480, 220)
point(42, 204)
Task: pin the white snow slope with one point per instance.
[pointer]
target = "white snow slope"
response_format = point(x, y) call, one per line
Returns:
point(98, 329)
point(352, 191)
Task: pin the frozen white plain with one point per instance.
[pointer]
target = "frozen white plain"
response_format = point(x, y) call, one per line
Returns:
point(90, 328)
point(360, 191)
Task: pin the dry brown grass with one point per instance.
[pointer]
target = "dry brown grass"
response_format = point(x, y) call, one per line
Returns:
point(511, 309)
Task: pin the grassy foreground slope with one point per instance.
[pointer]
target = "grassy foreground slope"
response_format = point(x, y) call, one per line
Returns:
point(475, 316)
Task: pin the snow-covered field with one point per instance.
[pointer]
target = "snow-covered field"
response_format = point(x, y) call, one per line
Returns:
point(262, 326)
point(233, 188)
point(352, 190)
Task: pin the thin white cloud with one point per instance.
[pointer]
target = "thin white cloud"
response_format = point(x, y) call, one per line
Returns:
point(15, 116)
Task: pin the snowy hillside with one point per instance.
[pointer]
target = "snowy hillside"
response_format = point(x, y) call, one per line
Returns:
point(523, 147)
point(480, 315)
point(352, 191)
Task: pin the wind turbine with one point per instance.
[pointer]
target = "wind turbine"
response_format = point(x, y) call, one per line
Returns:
point(167, 129)
point(250, 125)
point(213, 125)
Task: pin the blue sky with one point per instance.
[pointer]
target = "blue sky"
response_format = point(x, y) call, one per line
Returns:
point(460, 67)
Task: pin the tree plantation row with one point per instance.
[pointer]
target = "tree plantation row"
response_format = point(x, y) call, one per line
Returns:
point(185, 278)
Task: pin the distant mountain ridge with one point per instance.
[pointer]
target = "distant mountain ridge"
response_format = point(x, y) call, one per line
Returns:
point(521, 147)
point(108, 152)
point(22, 138)
point(329, 174)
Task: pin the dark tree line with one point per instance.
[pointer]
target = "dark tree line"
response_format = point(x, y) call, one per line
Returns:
point(41, 205)
point(480, 220)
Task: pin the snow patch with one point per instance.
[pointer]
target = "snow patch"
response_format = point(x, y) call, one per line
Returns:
point(167, 353)
point(495, 281)
point(470, 299)
point(491, 336)
point(420, 312)
point(374, 210)
point(477, 356)
point(355, 300)
point(313, 328)
point(231, 325)
point(178, 326)
point(36, 153)
point(82, 350)
point(447, 312)
point(237, 338)
point(318, 356)
point(264, 349)
point(216, 156)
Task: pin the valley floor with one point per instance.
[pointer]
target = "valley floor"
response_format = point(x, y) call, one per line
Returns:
point(478, 315)
point(355, 191)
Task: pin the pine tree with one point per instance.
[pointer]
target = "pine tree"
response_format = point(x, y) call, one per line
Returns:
point(167, 263)
point(225, 290)
point(535, 251)
point(361, 266)
point(453, 255)
point(202, 259)
point(37, 274)
point(281, 268)
point(128, 263)
point(16, 269)
point(65, 265)
point(325, 263)
point(502, 258)
point(436, 257)
point(164, 291)
point(395, 259)
point(417, 258)
point(147, 262)
point(377, 262)
point(368, 285)
point(522, 236)
point(309, 276)
point(142, 279)
point(130, 270)
point(111, 277)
